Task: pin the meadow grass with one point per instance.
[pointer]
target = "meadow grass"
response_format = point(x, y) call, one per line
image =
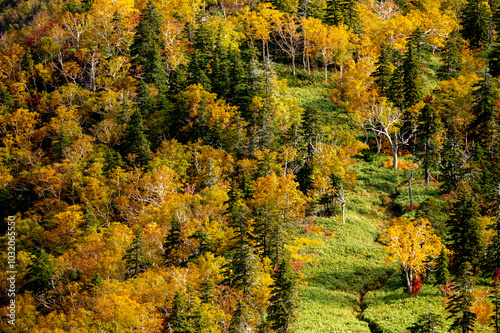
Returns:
point(350, 287)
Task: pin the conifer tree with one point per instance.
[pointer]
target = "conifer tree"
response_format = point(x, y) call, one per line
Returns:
point(136, 142)
point(461, 302)
point(173, 244)
point(496, 301)
point(481, 128)
point(465, 234)
point(442, 272)
point(342, 11)
point(135, 257)
point(200, 59)
point(412, 84)
point(493, 257)
point(427, 323)
point(281, 312)
point(178, 319)
point(146, 102)
point(452, 61)
point(384, 70)
point(453, 160)
point(146, 48)
point(40, 273)
point(474, 21)
point(240, 320)
point(241, 262)
point(427, 130)
point(396, 90)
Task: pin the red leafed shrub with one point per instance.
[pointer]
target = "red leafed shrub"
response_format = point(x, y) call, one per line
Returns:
point(313, 229)
point(409, 209)
point(297, 265)
point(416, 284)
point(328, 233)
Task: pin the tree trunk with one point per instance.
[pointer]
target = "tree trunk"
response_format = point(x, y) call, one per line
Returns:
point(378, 140)
point(263, 50)
point(427, 176)
point(409, 277)
point(394, 148)
point(341, 71)
point(410, 192)
point(326, 73)
point(342, 203)
point(293, 65)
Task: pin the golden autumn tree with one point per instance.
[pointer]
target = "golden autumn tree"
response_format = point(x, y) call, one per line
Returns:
point(334, 44)
point(413, 244)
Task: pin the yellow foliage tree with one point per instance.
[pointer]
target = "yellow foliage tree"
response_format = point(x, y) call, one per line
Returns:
point(413, 244)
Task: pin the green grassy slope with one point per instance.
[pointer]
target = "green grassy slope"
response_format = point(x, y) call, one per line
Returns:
point(351, 288)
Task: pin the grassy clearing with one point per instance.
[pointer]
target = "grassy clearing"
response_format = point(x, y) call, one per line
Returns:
point(350, 287)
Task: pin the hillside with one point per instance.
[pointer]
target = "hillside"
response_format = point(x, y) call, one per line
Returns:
point(249, 166)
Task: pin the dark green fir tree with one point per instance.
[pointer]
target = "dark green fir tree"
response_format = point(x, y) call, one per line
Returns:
point(173, 244)
point(281, 312)
point(475, 22)
point(412, 81)
point(465, 234)
point(384, 70)
point(136, 142)
point(451, 57)
point(461, 301)
point(39, 276)
point(427, 323)
point(427, 141)
point(135, 258)
point(178, 319)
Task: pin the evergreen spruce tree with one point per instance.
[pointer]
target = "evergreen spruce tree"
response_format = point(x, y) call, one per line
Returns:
point(427, 323)
point(145, 51)
point(39, 274)
point(311, 128)
point(493, 257)
point(475, 22)
point(461, 302)
point(146, 102)
point(494, 59)
point(281, 312)
point(442, 272)
point(342, 11)
point(173, 244)
point(427, 130)
point(481, 128)
point(412, 83)
point(178, 319)
point(60, 143)
point(240, 320)
point(451, 62)
point(496, 301)
point(201, 57)
point(453, 161)
point(396, 90)
point(136, 142)
point(135, 257)
point(383, 72)
point(465, 234)
point(240, 269)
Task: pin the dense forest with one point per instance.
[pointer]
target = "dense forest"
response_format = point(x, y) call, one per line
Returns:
point(246, 166)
